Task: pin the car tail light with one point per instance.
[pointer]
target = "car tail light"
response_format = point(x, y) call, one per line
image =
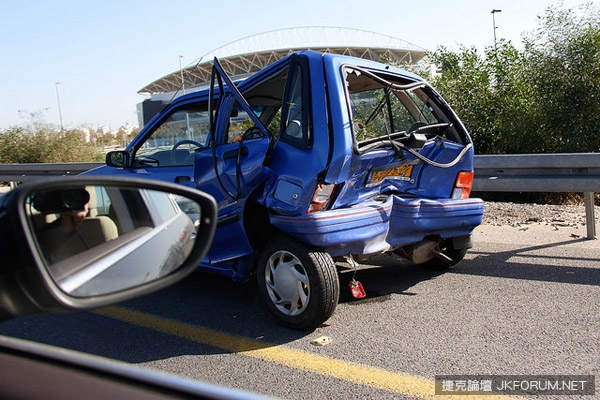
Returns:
point(463, 185)
point(321, 197)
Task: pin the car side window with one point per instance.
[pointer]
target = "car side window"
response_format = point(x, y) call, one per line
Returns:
point(241, 125)
point(265, 100)
point(174, 141)
point(295, 120)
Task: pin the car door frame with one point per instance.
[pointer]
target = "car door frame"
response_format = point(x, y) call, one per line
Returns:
point(230, 172)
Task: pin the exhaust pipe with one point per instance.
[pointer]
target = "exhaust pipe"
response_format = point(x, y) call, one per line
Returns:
point(422, 252)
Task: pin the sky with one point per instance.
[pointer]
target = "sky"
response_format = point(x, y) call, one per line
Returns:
point(102, 53)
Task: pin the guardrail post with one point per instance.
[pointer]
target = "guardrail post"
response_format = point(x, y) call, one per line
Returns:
point(590, 217)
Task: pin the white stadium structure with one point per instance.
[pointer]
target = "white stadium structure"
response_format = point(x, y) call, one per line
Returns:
point(248, 55)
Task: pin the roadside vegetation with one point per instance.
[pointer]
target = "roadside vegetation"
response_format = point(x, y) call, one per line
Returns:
point(541, 97)
point(46, 146)
point(41, 142)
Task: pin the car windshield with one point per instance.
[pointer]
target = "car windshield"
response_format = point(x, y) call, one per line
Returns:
point(384, 106)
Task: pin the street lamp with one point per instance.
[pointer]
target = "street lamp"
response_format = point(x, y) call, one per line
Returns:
point(59, 110)
point(188, 131)
point(494, 22)
point(181, 73)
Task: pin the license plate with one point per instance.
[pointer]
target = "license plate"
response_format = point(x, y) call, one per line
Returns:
point(401, 172)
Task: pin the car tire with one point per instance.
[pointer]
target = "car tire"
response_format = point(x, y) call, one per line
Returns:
point(454, 256)
point(299, 285)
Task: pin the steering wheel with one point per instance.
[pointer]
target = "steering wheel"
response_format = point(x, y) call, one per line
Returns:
point(186, 141)
point(181, 143)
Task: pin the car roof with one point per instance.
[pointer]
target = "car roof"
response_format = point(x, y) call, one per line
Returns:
point(334, 59)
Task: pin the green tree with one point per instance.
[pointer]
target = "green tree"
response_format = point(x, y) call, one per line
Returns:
point(564, 71)
point(541, 99)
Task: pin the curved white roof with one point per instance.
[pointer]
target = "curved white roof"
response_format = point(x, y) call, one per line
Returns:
point(252, 53)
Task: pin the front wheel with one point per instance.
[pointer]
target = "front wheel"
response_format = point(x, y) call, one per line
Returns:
point(299, 285)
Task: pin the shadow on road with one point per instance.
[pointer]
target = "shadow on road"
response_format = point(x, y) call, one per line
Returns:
point(530, 263)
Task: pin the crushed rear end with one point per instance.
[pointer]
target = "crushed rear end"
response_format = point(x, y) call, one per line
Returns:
point(400, 175)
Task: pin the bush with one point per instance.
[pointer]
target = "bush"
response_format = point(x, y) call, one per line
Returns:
point(542, 99)
point(45, 146)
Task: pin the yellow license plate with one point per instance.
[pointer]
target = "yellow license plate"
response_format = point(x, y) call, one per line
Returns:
point(402, 172)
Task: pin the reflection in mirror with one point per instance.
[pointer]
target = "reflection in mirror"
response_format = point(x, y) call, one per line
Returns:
point(102, 239)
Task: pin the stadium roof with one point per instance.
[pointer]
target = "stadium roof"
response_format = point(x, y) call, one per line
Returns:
point(250, 54)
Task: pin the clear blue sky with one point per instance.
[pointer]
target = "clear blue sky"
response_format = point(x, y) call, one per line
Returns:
point(103, 52)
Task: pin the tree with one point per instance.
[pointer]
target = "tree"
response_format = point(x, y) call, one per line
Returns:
point(542, 99)
point(564, 70)
point(487, 92)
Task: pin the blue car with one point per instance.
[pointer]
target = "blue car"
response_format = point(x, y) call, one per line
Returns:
point(316, 158)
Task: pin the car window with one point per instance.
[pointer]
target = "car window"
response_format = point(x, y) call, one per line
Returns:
point(265, 99)
point(295, 123)
point(381, 106)
point(162, 206)
point(70, 222)
point(241, 125)
point(100, 199)
point(175, 140)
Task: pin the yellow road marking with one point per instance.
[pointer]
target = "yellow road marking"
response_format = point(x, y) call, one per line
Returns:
point(411, 385)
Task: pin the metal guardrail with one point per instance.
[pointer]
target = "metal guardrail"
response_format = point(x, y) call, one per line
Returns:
point(14, 173)
point(578, 172)
point(493, 173)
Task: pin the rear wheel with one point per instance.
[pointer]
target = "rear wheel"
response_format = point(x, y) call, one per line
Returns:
point(299, 285)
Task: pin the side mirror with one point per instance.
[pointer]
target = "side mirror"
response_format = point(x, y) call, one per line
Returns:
point(82, 242)
point(118, 159)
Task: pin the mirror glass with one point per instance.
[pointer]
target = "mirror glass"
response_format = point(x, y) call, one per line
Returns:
point(97, 240)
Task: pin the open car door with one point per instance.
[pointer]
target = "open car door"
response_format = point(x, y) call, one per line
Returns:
point(231, 168)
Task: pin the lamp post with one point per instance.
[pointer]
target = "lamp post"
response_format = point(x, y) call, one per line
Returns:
point(494, 11)
point(188, 131)
point(181, 73)
point(59, 110)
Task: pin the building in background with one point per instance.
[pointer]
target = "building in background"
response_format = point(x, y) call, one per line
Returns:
point(248, 55)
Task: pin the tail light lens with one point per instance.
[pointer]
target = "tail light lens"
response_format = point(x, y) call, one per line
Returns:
point(463, 185)
point(321, 197)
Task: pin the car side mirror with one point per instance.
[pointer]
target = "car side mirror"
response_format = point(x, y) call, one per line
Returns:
point(83, 242)
point(118, 159)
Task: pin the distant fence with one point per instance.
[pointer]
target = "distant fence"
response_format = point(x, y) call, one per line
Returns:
point(493, 173)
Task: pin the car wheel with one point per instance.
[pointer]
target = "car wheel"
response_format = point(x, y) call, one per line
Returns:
point(450, 256)
point(300, 286)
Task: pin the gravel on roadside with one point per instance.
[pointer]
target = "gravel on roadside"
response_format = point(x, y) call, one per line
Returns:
point(518, 215)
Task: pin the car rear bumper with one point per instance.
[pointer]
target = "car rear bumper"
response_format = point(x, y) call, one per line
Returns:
point(378, 226)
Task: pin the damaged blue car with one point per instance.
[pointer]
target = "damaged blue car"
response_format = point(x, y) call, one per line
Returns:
point(313, 159)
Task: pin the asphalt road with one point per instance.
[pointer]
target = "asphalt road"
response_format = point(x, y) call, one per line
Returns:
point(524, 301)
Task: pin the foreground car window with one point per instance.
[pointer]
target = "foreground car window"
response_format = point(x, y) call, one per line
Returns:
point(77, 229)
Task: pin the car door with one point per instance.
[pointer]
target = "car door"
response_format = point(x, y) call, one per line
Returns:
point(232, 167)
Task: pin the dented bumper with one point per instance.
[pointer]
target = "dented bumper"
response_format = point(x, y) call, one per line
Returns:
point(379, 226)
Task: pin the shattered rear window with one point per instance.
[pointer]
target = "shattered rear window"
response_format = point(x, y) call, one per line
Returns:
point(385, 107)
